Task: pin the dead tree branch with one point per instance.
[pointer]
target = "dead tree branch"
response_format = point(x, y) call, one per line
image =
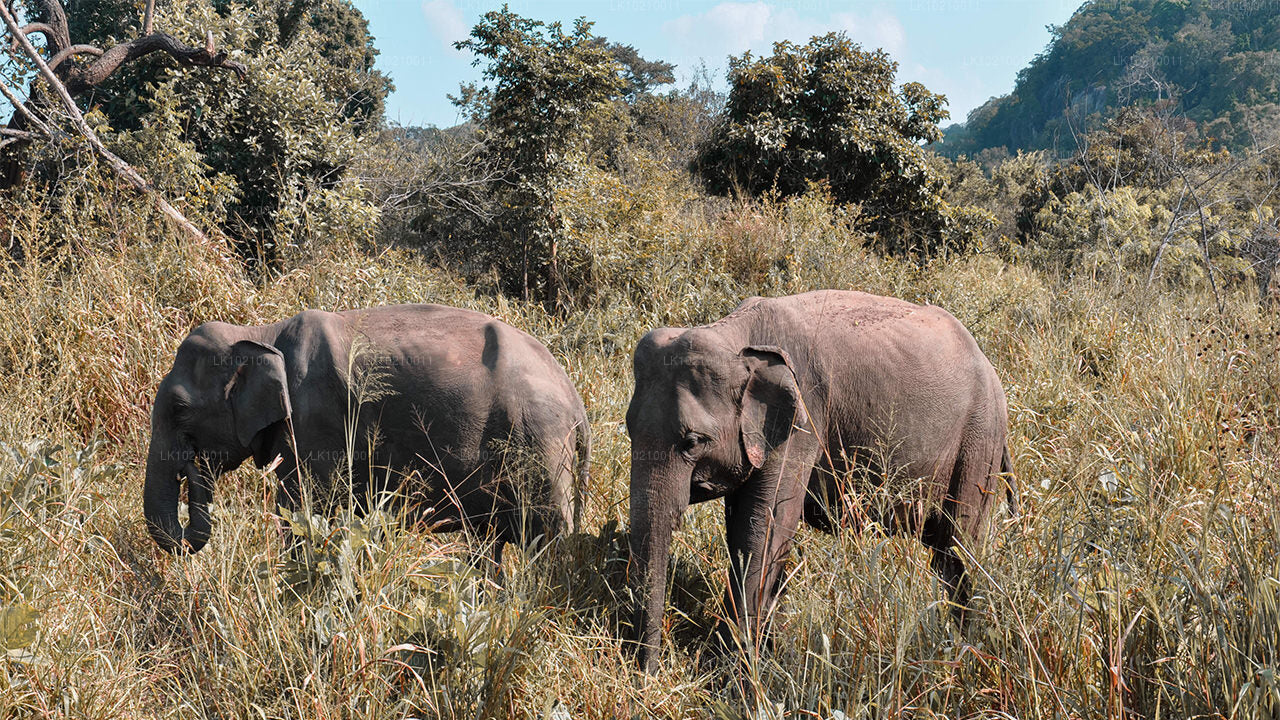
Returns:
point(24, 113)
point(56, 60)
point(88, 76)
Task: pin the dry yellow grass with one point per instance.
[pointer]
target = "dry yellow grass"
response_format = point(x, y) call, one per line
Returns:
point(1142, 578)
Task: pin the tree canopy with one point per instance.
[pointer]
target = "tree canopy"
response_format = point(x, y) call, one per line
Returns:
point(828, 112)
point(544, 85)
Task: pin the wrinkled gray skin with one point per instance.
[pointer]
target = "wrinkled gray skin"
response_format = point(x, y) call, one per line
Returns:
point(450, 395)
point(763, 406)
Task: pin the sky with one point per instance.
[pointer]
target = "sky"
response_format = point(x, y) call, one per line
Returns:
point(968, 50)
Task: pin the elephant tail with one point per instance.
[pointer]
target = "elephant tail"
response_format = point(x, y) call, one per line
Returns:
point(1010, 486)
point(582, 474)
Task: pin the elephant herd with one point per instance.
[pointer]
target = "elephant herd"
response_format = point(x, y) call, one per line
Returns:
point(475, 426)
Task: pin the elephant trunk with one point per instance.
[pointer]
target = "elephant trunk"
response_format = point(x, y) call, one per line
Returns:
point(656, 508)
point(166, 462)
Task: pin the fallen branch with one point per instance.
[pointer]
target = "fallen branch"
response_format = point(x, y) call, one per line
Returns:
point(19, 134)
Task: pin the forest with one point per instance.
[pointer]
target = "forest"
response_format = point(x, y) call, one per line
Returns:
point(1107, 232)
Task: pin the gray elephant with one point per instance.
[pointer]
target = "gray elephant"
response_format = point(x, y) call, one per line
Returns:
point(771, 405)
point(472, 421)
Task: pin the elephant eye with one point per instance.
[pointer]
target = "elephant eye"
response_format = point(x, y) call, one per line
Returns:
point(693, 443)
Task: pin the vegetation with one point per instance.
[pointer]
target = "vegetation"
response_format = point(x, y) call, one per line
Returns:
point(1122, 294)
point(1217, 61)
point(546, 86)
point(254, 152)
point(828, 111)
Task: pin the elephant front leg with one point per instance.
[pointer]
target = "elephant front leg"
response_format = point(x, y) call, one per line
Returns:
point(288, 500)
point(761, 519)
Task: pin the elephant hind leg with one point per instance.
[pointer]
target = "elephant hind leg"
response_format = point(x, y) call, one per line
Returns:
point(948, 566)
point(963, 518)
point(558, 506)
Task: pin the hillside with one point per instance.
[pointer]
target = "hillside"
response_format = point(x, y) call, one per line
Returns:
point(1219, 62)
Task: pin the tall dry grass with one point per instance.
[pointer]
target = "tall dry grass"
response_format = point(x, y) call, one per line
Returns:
point(1140, 580)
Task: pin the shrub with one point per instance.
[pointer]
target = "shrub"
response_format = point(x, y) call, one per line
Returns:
point(828, 111)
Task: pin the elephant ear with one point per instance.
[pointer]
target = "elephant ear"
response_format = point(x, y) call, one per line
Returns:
point(258, 389)
point(771, 402)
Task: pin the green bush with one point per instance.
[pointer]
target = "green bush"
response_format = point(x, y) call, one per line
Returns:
point(828, 111)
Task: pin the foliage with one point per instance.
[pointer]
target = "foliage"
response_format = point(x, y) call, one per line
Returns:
point(828, 111)
point(545, 86)
point(1145, 196)
point(640, 76)
point(1216, 60)
point(247, 157)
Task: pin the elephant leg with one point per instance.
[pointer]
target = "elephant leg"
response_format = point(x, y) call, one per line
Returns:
point(288, 499)
point(948, 566)
point(962, 518)
point(761, 519)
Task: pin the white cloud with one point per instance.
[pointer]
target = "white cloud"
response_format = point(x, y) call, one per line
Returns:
point(445, 21)
point(733, 27)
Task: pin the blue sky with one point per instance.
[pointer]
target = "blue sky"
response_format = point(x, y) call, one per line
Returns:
point(969, 50)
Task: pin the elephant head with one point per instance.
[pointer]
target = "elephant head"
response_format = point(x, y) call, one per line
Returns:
point(210, 414)
point(706, 413)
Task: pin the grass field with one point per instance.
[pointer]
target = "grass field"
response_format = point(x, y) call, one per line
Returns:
point(1141, 579)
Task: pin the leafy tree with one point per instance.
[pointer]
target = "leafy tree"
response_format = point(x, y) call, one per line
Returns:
point(545, 85)
point(255, 156)
point(828, 111)
point(640, 76)
point(643, 126)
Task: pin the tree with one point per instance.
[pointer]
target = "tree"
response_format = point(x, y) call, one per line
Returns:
point(58, 79)
point(1218, 60)
point(828, 111)
point(255, 154)
point(640, 75)
point(545, 84)
point(65, 74)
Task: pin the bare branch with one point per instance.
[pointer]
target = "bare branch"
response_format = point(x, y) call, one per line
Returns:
point(148, 17)
point(18, 134)
point(29, 28)
point(83, 78)
point(122, 168)
point(74, 50)
point(24, 111)
point(36, 27)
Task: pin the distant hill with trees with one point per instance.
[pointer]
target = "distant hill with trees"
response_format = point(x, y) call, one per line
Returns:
point(1217, 62)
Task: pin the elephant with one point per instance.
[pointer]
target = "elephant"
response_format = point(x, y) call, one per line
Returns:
point(471, 421)
point(772, 405)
